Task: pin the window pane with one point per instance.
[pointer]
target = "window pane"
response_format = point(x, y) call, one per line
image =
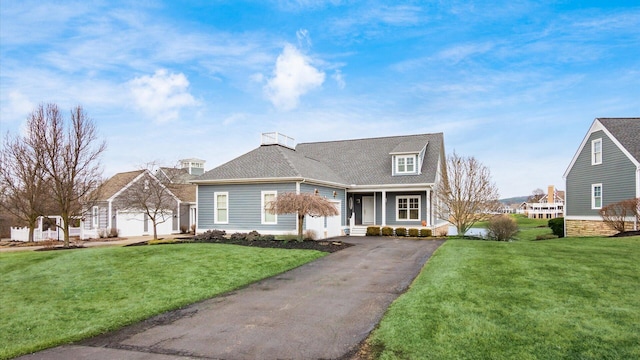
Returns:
point(410, 164)
point(401, 165)
point(402, 214)
point(269, 217)
point(413, 214)
point(222, 201)
point(222, 215)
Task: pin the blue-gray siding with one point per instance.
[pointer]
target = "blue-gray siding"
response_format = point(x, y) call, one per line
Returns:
point(244, 207)
point(617, 174)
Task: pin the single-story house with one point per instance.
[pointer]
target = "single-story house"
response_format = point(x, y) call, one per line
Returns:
point(385, 181)
point(604, 170)
point(110, 213)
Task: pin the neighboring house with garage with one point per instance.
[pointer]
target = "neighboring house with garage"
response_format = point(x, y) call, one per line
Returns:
point(386, 181)
point(110, 213)
point(604, 170)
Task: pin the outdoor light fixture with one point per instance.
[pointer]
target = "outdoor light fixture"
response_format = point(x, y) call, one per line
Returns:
point(335, 193)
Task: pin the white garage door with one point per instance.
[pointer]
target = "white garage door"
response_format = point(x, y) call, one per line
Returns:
point(325, 227)
point(133, 224)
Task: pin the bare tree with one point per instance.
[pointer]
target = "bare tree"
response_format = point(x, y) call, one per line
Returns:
point(302, 204)
point(149, 195)
point(23, 182)
point(616, 215)
point(70, 155)
point(536, 196)
point(466, 193)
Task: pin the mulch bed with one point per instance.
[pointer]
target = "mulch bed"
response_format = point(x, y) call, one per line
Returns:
point(627, 233)
point(320, 245)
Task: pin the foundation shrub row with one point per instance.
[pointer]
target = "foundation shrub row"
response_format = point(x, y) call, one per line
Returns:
point(399, 231)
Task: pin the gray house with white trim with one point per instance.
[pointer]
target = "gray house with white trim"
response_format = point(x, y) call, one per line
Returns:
point(386, 181)
point(604, 170)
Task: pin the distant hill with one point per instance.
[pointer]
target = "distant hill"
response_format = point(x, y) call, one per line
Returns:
point(514, 200)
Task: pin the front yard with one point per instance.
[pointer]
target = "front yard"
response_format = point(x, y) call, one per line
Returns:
point(54, 297)
point(554, 299)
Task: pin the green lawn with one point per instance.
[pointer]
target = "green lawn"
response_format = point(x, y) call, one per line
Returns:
point(55, 297)
point(554, 299)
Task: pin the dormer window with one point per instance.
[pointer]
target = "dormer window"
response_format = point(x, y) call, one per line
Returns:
point(405, 164)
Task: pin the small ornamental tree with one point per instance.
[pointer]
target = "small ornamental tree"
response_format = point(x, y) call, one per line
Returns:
point(617, 214)
point(302, 204)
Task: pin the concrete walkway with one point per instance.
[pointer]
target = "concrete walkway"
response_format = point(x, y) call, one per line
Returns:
point(321, 310)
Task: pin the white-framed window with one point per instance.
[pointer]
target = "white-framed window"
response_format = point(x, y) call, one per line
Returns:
point(408, 208)
point(266, 198)
point(406, 164)
point(221, 207)
point(95, 217)
point(596, 152)
point(596, 196)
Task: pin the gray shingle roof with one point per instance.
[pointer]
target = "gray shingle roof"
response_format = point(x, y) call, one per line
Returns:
point(359, 162)
point(116, 183)
point(627, 131)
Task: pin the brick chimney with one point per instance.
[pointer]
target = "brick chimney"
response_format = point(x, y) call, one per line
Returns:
point(550, 194)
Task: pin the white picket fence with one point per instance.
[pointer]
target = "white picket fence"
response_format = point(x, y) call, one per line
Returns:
point(22, 234)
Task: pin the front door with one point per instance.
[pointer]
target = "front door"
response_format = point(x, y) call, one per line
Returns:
point(368, 210)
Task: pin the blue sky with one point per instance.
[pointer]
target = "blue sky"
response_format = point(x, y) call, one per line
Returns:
point(514, 83)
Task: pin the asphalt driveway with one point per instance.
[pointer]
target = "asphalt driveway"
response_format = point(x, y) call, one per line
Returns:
point(321, 310)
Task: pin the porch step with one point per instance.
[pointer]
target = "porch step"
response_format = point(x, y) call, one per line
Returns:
point(358, 231)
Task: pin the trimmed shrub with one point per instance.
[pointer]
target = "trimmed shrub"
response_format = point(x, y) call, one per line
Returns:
point(414, 232)
point(401, 231)
point(113, 233)
point(183, 229)
point(238, 236)
point(373, 231)
point(267, 238)
point(387, 231)
point(501, 228)
point(557, 226)
point(425, 233)
point(253, 236)
point(210, 236)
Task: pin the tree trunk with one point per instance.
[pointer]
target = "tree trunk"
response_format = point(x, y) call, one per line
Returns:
point(155, 230)
point(31, 231)
point(65, 229)
point(300, 223)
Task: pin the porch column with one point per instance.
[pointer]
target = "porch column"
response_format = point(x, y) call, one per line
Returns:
point(384, 208)
point(429, 210)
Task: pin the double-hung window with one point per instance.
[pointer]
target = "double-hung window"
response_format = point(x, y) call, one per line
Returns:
point(267, 216)
point(221, 207)
point(95, 217)
point(596, 152)
point(408, 208)
point(596, 196)
point(405, 164)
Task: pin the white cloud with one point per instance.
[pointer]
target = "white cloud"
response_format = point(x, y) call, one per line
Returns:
point(293, 77)
point(303, 37)
point(339, 78)
point(18, 107)
point(163, 95)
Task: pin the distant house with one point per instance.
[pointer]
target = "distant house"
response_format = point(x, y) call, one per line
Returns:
point(549, 206)
point(387, 181)
point(604, 170)
point(108, 212)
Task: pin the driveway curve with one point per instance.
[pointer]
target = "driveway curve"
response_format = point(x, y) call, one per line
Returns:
point(321, 310)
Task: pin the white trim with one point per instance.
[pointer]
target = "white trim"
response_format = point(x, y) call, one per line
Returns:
point(262, 207)
point(384, 207)
point(593, 197)
point(584, 217)
point(215, 206)
point(419, 197)
point(414, 159)
point(594, 160)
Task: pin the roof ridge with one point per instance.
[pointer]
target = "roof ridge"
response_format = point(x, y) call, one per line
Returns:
point(371, 138)
point(295, 170)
